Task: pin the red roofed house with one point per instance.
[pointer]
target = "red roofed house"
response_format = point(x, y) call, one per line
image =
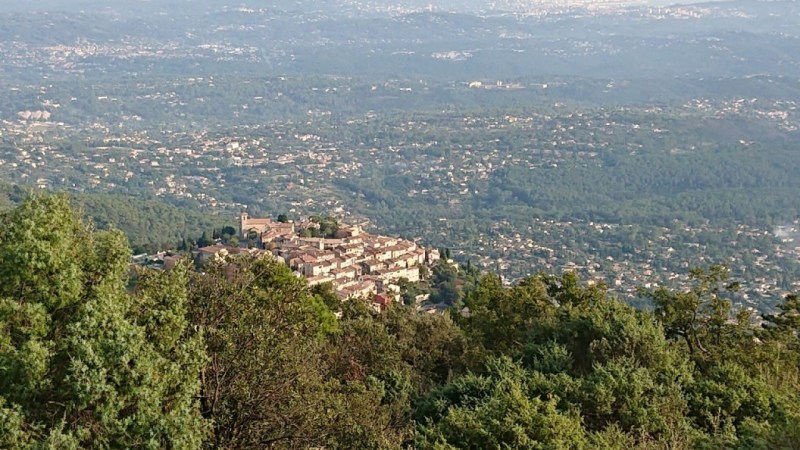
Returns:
point(382, 301)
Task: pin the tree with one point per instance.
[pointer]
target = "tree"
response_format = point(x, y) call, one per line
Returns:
point(328, 227)
point(594, 354)
point(429, 349)
point(252, 235)
point(495, 411)
point(744, 378)
point(266, 383)
point(787, 320)
point(443, 284)
point(699, 316)
point(499, 318)
point(424, 272)
point(325, 293)
point(85, 364)
point(205, 240)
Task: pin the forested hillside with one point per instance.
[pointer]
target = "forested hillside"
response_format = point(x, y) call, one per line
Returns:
point(245, 355)
point(149, 224)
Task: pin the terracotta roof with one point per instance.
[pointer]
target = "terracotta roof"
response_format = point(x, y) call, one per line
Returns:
point(257, 222)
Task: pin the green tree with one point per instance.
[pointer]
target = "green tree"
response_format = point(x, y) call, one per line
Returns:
point(700, 315)
point(84, 364)
point(328, 227)
point(494, 411)
point(205, 240)
point(267, 383)
point(744, 387)
point(325, 293)
point(444, 288)
point(786, 323)
point(600, 358)
point(498, 318)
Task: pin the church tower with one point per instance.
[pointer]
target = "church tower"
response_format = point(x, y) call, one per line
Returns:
point(243, 218)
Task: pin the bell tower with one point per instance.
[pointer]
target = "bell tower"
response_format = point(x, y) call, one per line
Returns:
point(243, 218)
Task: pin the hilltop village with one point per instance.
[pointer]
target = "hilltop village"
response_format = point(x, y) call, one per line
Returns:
point(356, 263)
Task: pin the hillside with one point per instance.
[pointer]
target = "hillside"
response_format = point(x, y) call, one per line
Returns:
point(149, 224)
point(254, 358)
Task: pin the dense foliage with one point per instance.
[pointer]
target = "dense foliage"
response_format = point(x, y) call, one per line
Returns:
point(83, 363)
point(245, 355)
point(150, 224)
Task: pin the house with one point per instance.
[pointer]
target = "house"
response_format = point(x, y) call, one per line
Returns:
point(206, 253)
point(348, 231)
point(409, 273)
point(246, 224)
point(383, 301)
point(262, 226)
point(170, 261)
point(372, 265)
point(319, 279)
point(222, 251)
point(359, 289)
point(345, 273)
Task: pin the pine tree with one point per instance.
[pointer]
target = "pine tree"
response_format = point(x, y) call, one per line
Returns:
point(84, 364)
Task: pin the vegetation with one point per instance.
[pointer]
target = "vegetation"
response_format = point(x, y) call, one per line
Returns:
point(149, 224)
point(629, 144)
point(245, 355)
point(84, 363)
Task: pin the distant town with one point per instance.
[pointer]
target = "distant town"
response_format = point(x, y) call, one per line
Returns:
point(523, 136)
point(357, 264)
point(311, 167)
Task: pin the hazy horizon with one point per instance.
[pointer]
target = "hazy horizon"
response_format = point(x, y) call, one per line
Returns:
point(450, 5)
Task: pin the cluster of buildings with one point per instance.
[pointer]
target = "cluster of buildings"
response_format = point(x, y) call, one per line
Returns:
point(313, 167)
point(356, 263)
